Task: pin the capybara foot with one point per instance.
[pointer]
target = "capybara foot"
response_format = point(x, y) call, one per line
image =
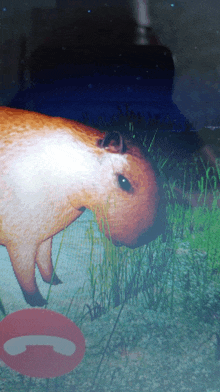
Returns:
point(56, 280)
point(34, 299)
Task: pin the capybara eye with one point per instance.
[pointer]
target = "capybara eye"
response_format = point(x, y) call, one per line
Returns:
point(124, 183)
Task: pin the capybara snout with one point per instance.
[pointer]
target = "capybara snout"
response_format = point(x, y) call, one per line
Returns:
point(53, 169)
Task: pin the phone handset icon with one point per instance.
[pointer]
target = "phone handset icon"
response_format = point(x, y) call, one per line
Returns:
point(18, 345)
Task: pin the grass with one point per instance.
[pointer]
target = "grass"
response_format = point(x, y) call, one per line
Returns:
point(156, 267)
point(179, 278)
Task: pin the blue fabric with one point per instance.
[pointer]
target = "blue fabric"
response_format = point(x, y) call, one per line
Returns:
point(99, 93)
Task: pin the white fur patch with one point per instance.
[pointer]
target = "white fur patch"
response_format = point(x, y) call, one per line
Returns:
point(51, 162)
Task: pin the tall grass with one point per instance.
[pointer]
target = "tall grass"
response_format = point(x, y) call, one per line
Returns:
point(121, 274)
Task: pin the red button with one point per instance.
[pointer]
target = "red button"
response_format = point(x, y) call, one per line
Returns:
point(40, 343)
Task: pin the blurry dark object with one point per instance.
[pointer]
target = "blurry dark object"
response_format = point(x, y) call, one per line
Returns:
point(103, 37)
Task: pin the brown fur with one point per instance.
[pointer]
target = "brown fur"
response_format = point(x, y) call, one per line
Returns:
point(52, 169)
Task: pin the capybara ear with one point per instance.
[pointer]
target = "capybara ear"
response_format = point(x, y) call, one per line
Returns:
point(113, 142)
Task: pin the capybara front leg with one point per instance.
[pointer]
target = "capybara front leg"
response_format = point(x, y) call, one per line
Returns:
point(23, 261)
point(44, 262)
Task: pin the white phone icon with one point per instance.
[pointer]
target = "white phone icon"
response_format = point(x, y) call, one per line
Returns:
point(18, 345)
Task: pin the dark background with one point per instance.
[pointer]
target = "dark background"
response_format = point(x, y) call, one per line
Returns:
point(43, 41)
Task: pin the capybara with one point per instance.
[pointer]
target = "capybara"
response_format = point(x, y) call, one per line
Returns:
point(52, 169)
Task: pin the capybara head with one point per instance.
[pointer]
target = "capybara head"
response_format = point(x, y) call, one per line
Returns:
point(131, 209)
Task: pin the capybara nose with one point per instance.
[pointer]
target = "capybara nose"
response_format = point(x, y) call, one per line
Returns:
point(159, 228)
